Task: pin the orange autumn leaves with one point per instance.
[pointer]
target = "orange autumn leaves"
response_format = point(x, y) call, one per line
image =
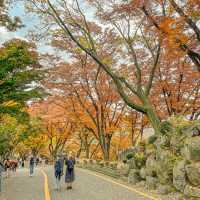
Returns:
point(151, 52)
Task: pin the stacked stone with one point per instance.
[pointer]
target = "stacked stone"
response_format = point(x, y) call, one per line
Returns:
point(172, 165)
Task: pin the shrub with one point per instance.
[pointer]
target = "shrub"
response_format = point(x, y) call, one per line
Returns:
point(166, 127)
point(113, 165)
point(106, 164)
point(91, 161)
point(98, 161)
point(129, 156)
point(152, 139)
point(140, 159)
point(85, 162)
point(124, 161)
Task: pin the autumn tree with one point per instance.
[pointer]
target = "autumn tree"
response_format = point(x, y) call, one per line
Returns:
point(176, 94)
point(18, 137)
point(175, 22)
point(90, 98)
point(58, 128)
point(75, 27)
point(85, 138)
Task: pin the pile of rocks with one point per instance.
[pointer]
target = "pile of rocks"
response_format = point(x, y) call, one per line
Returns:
point(105, 167)
point(169, 164)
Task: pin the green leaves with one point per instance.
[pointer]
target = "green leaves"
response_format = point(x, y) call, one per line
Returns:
point(19, 69)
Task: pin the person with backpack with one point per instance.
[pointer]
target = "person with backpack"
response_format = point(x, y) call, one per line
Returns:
point(58, 169)
point(69, 175)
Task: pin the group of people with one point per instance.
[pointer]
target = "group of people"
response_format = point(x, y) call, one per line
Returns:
point(10, 165)
point(69, 172)
point(59, 169)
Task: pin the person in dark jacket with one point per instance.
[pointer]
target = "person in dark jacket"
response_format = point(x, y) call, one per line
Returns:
point(31, 166)
point(58, 169)
point(70, 175)
point(22, 163)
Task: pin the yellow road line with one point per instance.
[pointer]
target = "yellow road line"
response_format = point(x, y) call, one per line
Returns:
point(46, 186)
point(122, 185)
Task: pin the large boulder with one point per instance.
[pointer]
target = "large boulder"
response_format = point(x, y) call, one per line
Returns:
point(192, 149)
point(176, 196)
point(143, 173)
point(191, 131)
point(141, 184)
point(150, 149)
point(164, 189)
point(179, 175)
point(162, 141)
point(132, 164)
point(151, 166)
point(151, 183)
point(191, 191)
point(124, 171)
point(177, 142)
point(193, 173)
point(164, 167)
point(134, 176)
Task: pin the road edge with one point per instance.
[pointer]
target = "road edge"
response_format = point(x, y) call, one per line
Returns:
point(46, 186)
point(109, 179)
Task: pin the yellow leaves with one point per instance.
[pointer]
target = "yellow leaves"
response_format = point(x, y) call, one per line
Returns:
point(107, 60)
point(195, 15)
point(10, 103)
point(84, 42)
point(112, 129)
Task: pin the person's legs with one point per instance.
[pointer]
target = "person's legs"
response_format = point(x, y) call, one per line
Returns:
point(70, 185)
point(57, 183)
point(31, 170)
point(7, 173)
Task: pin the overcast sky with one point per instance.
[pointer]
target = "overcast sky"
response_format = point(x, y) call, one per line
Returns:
point(29, 20)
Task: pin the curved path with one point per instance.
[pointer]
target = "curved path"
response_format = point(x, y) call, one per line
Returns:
point(88, 186)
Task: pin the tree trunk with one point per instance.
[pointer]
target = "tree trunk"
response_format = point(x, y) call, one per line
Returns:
point(152, 116)
point(155, 122)
point(106, 147)
point(87, 151)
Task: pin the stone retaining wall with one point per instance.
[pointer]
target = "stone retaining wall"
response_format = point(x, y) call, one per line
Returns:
point(169, 164)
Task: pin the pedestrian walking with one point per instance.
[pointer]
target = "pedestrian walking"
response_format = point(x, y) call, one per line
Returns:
point(37, 161)
point(7, 167)
point(22, 163)
point(13, 165)
point(58, 170)
point(70, 174)
point(2, 169)
point(31, 166)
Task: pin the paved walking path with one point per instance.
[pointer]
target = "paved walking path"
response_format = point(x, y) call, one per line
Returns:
point(19, 186)
point(88, 186)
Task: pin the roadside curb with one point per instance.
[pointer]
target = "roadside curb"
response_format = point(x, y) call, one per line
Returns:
point(116, 182)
